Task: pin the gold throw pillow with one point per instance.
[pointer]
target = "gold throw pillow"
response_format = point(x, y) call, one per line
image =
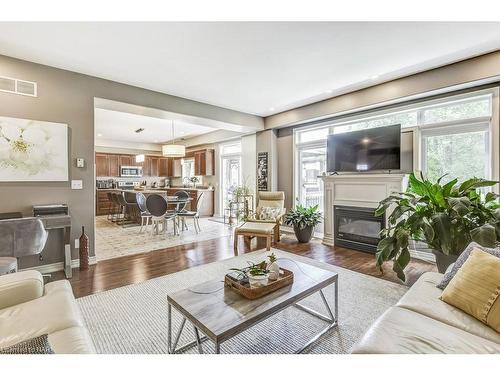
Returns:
point(475, 288)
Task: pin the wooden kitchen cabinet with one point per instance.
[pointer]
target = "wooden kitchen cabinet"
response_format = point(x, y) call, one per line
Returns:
point(164, 167)
point(114, 165)
point(103, 204)
point(126, 160)
point(154, 166)
point(101, 165)
point(204, 162)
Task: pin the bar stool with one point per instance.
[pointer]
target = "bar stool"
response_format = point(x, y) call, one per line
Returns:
point(131, 202)
point(123, 207)
point(116, 209)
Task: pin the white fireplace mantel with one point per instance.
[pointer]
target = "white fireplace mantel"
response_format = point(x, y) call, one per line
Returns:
point(357, 190)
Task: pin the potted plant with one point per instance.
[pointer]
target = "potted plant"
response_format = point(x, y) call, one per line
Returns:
point(303, 219)
point(258, 274)
point(194, 180)
point(445, 216)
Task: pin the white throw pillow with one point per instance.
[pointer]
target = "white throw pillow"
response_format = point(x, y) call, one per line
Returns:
point(268, 213)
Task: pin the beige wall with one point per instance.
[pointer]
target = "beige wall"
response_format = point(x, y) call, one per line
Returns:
point(285, 165)
point(68, 97)
point(266, 142)
point(249, 160)
point(461, 73)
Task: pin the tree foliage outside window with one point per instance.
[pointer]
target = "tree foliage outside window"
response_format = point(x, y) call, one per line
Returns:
point(406, 119)
point(457, 111)
point(461, 155)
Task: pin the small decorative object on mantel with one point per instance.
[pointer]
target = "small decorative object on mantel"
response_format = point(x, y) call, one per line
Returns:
point(253, 282)
point(84, 251)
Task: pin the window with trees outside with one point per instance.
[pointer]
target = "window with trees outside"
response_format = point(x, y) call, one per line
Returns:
point(454, 135)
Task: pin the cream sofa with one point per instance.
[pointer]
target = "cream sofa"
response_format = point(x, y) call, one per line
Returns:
point(421, 323)
point(28, 309)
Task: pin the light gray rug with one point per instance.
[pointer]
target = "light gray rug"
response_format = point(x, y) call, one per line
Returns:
point(133, 319)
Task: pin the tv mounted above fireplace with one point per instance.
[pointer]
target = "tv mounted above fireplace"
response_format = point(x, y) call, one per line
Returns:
point(365, 150)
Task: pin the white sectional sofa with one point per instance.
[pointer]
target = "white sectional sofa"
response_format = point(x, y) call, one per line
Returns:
point(421, 323)
point(29, 309)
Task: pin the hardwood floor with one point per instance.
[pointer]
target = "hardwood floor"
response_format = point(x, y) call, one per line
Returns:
point(114, 273)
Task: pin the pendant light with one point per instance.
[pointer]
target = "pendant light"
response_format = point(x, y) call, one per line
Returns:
point(173, 150)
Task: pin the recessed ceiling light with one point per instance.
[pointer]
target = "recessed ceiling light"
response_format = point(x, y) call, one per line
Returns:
point(328, 91)
point(271, 108)
point(155, 141)
point(99, 134)
point(374, 77)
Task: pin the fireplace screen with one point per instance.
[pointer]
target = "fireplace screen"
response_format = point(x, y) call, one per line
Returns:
point(357, 228)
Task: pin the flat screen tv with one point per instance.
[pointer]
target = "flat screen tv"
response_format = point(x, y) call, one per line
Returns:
point(365, 150)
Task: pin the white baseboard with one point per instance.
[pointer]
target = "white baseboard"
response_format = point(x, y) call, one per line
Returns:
point(59, 266)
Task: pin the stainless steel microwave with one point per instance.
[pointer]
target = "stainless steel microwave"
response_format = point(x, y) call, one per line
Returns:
point(130, 171)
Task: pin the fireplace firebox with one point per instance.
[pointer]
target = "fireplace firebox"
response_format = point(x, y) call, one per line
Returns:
point(357, 228)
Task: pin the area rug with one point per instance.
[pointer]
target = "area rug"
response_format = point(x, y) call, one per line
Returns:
point(114, 241)
point(133, 319)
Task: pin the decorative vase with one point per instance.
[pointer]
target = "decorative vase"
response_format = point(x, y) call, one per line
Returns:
point(274, 271)
point(84, 251)
point(303, 234)
point(443, 261)
point(258, 281)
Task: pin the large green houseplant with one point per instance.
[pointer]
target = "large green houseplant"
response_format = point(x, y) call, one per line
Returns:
point(445, 216)
point(303, 219)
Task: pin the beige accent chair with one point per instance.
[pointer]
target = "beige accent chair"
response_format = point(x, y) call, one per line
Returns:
point(270, 199)
point(29, 309)
point(420, 323)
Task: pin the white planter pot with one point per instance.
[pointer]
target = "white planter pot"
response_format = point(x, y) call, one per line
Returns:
point(274, 271)
point(258, 281)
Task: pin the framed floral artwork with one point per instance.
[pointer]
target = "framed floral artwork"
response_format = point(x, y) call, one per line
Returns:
point(32, 150)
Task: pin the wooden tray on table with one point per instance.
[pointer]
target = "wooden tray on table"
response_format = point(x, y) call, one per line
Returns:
point(243, 288)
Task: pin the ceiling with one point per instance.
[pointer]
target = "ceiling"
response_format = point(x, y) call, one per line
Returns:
point(253, 67)
point(121, 126)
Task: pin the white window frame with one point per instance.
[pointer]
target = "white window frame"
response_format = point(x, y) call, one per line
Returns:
point(493, 121)
point(223, 156)
point(458, 127)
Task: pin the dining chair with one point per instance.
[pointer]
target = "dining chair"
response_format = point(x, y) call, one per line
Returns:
point(157, 206)
point(145, 214)
point(195, 215)
point(181, 207)
point(182, 195)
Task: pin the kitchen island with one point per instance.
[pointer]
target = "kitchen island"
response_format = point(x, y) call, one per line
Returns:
point(206, 206)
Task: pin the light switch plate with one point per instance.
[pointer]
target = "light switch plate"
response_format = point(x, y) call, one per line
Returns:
point(77, 243)
point(76, 184)
point(80, 162)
